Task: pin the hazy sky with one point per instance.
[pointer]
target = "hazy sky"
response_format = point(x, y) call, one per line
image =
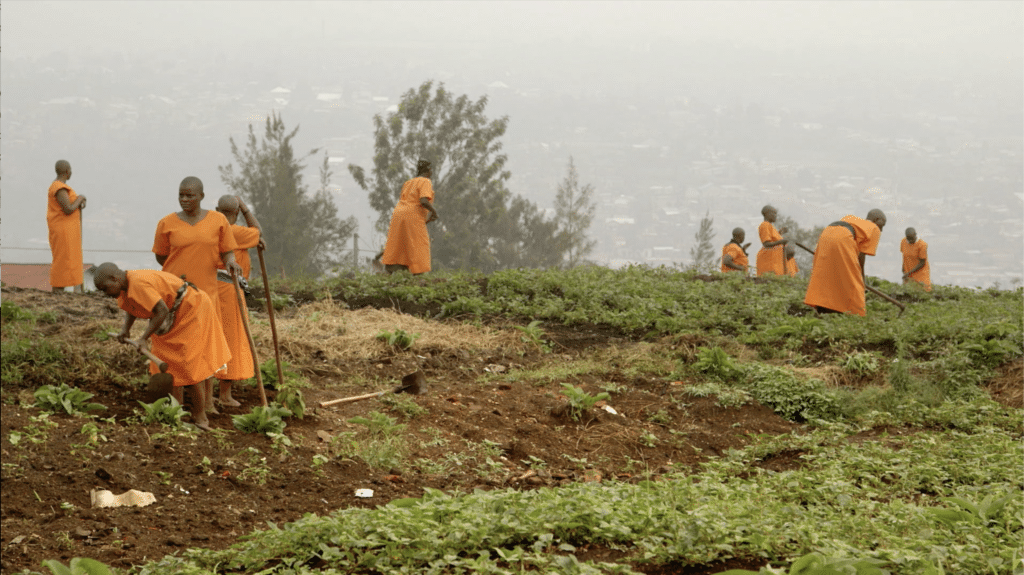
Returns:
point(950, 39)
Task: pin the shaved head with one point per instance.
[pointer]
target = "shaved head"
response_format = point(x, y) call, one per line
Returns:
point(911, 235)
point(790, 251)
point(766, 209)
point(62, 167)
point(738, 235)
point(877, 216)
point(109, 279)
point(227, 203)
point(193, 183)
point(104, 271)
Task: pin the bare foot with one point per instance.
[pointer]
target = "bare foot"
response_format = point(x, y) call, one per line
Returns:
point(229, 402)
point(212, 410)
point(204, 425)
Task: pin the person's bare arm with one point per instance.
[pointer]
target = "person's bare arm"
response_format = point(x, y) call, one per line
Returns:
point(433, 213)
point(251, 221)
point(66, 205)
point(126, 329)
point(728, 261)
point(230, 264)
point(160, 313)
point(920, 264)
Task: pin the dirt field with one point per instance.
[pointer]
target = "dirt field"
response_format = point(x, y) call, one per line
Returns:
point(471, 401)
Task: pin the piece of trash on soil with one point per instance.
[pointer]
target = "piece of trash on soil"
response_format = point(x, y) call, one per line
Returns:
point(610, 409)
point(364, 493)
point(130, 498)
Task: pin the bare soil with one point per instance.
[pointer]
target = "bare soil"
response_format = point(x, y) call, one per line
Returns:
point(47, 513)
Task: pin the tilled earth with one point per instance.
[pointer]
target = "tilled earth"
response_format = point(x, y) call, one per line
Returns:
point(212, 488)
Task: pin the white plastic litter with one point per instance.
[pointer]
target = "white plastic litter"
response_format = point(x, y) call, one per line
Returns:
point(610, 410)
point(364, 493)
point(131, 498)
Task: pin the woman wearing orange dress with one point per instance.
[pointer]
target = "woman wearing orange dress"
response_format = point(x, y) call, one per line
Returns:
point(64, 223)
point(408, 244)
point(191, 243)
point(770, 258)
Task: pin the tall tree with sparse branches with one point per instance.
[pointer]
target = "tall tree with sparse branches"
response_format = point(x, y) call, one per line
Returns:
point(703, 252)
point(481, 224)
point(574, 211)
point(304, 234)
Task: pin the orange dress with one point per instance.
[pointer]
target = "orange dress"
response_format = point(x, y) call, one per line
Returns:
point(769, 260)
point(739, 257)
point(241, 365)
point(194, 251)
point(837, 281)
point(408, 242)
point(791, 268)
point(912, 254)
point(65, 233)
point(194, 348)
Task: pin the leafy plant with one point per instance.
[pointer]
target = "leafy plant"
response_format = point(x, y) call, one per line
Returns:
point(262, 419)
point(254, 466)
point(715, 362)
point(398, 339)
point(580, 401)
point(860, 363)
point(64, 398)
point(534, 335)
point(165, 411)
point(268, 369)
point(381, 444)
point(37, 432)
point(77, 566)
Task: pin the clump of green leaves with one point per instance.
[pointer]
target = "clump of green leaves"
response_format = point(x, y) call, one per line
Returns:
point(791, 396)
point(534, 335)
point(860, 363)
point(715, 362)
point(289, 392)
point(403, 404)
point(262, 419)
point(64, 398)
point(165, 411)
point(380, 443)
point(77, 566)
point(580, 401)
point(398, 339)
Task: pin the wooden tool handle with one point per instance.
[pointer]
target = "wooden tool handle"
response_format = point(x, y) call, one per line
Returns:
point(351, 399)
point(159, 362)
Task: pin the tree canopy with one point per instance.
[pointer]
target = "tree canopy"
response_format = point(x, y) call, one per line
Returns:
point(703, 252)
point(481, 225)
point(574, 211)
point(304, 234)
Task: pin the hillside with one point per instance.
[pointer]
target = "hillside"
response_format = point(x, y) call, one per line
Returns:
point(697, 370)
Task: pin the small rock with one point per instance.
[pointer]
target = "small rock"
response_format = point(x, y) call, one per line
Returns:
point(82, 533)
point(324, 435)
point(535, 480)
point(175, 541)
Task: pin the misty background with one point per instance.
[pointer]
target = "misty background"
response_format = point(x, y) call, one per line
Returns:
point(670, 110)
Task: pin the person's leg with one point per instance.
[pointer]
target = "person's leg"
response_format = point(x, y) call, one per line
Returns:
point(392, 268)
point(208, 392)
point(225, 394)
point(58, 290)
point(199, 414)
point(178, 394)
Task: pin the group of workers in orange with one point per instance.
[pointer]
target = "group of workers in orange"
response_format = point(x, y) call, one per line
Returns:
point(194, 306)
point(837, 274)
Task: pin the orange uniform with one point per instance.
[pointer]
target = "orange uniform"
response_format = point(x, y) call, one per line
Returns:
point(769, 260)
point(241, 365)
point(912, 254)
point(194, 251)
point(194, 348)
point(65, 232)
point(837, 280)
point(739, 257)
point(408, 242)
point(791, 268)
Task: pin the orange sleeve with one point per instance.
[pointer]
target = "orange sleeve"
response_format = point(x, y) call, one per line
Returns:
point(227, 237)
point(245, 237)
point(426, 190)
point(161, 241)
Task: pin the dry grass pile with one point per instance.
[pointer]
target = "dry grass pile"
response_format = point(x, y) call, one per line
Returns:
point(336, 333)
point(1008, 386)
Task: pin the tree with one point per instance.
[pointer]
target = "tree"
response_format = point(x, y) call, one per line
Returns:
point(703, 253)
point(482, 225)
point(574, 210)
point(303, 231)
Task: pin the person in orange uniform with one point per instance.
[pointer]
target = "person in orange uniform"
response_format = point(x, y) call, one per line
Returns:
point(791, 267)
point(770, 259)
point(64, 221)
point(837, 275)
point(734, 253)
point(248, 236)
point(189, 340)
point(915, 260)
point(193, 243)
point(408, 244)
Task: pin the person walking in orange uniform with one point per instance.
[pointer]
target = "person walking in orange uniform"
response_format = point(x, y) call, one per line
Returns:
point(248, 236)
point(734, 253)
point(837, 274)
point(770, 258)
point(791, 267)
point(915, 260)
point(408, 244)
point(193, 243)
point(64, 222)
point(183, 327)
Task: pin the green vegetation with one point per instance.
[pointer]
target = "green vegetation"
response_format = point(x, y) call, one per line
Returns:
point(261, 419)
point(165, 411)
point(398, 339)
point(66, 399)
point(580, 401)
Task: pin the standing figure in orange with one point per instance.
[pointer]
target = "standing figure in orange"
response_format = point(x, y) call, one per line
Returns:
point(770, 258)
point(182, 324)
point(64, 221)
point(837, 275)
point(791, 267)
point(734, 253)
point(248, 236)
point(915, 260)
point(408, 244)
point(193, 243)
